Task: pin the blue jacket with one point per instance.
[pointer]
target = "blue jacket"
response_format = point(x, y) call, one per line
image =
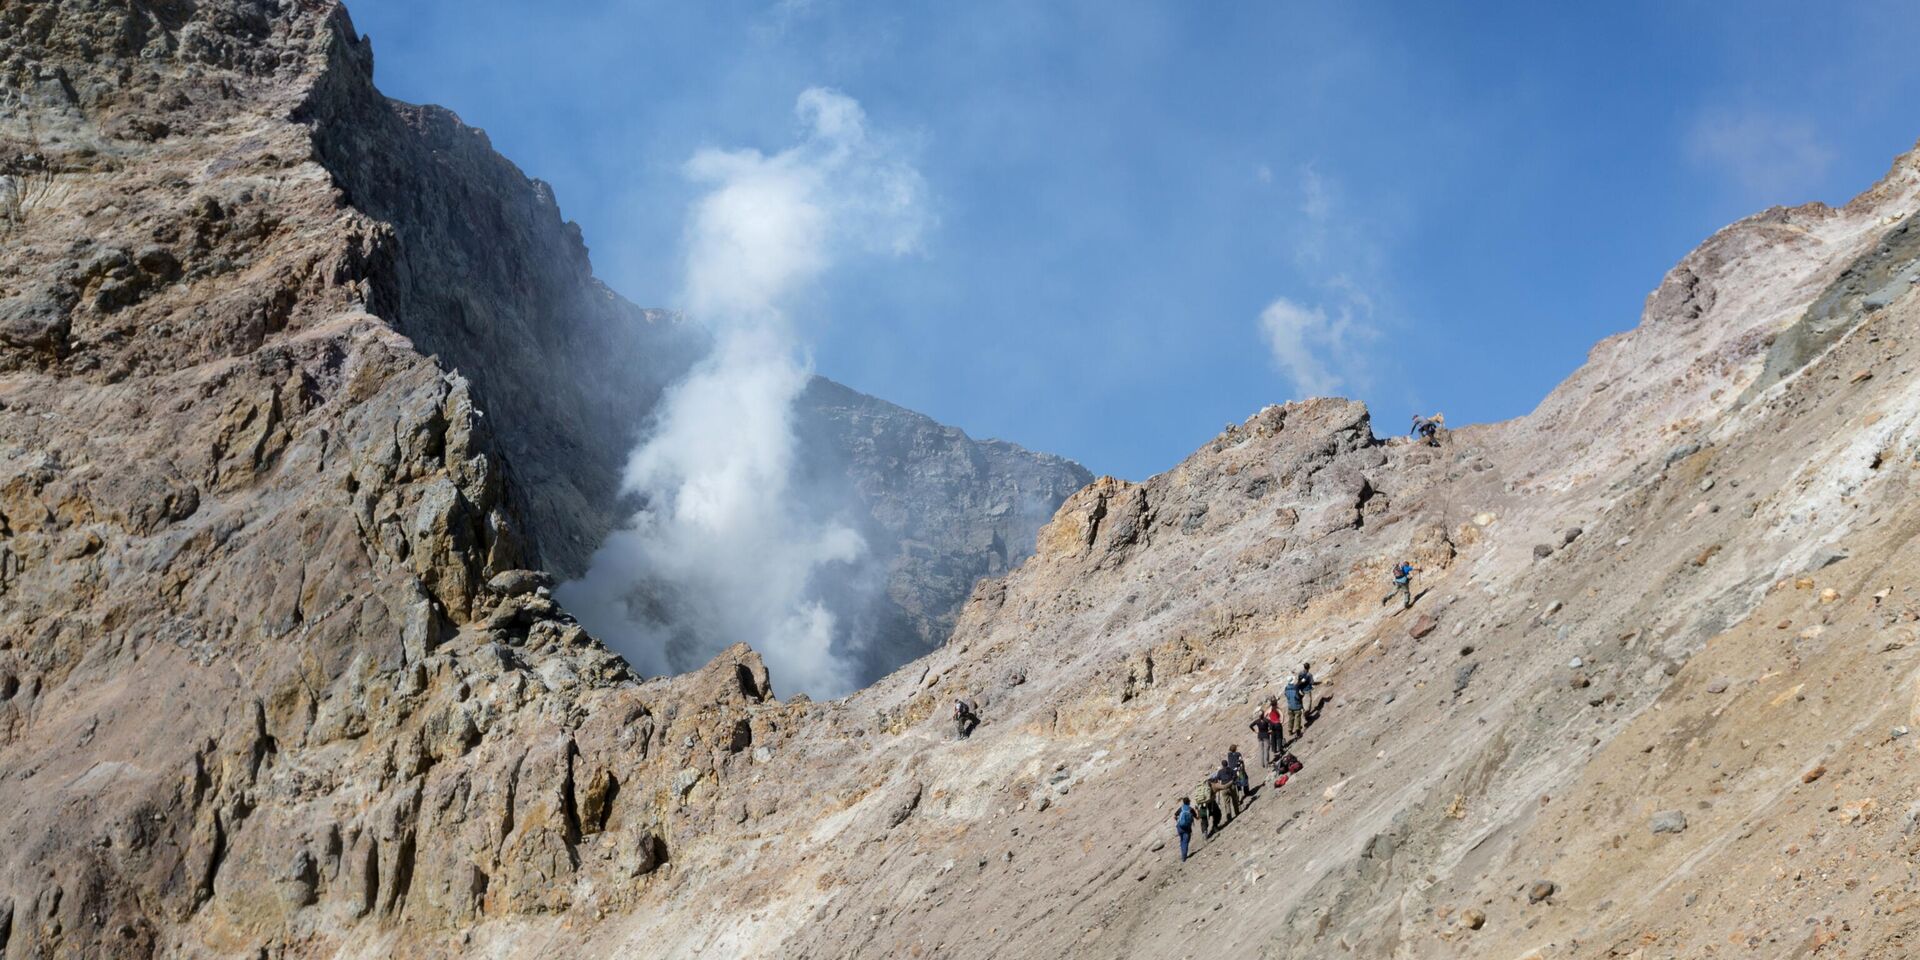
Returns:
point(1293, 697)
point(1184, 819)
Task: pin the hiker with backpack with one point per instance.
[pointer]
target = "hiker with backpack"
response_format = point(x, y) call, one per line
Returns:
point(1402, 584)
point(1183, 818)
point(1225, 781)
point(1304, 680)
point(1208, 810)
point(1296, 708)
point(965, 719)
point(1239, 768)
point(1428, 428)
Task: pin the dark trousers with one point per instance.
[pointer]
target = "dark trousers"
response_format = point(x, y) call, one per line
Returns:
point(1276, 743)
point(964, 725)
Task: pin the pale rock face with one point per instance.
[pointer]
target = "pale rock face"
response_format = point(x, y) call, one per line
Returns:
point(280, 505)
point(277, 472)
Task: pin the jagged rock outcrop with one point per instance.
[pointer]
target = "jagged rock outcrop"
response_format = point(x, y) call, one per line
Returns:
point(276, 676)
point(280, 674)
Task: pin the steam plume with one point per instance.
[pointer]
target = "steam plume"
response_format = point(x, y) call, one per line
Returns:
point(728, 547)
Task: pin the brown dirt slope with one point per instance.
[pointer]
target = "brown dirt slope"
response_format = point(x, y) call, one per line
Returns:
point(275, 682)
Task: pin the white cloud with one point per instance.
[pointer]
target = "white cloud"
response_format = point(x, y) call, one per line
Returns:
point(1321, 347)
point(1320, 350)
point(1779, 158)
point(726, 548)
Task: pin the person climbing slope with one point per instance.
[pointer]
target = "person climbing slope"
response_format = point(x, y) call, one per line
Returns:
point(1209, 811)
point(1183, 825)
point(1402, 584)
point(1277, 724)
point(1263, 731)
point(1296, 711)
point(1428, 428)
point(1304, 680)
point(1223, 783)
point(1239, 767)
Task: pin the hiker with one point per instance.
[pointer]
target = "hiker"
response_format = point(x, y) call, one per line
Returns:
point(1239, 768)
point(1428, 428)
point(1209, 811)
point(1402, 584)
point(1263, 731)
point(1296, 710)
point(1183, 825)
point(1304, 680)
point(964, 718)
point(1277, 726)
point(1223, 782)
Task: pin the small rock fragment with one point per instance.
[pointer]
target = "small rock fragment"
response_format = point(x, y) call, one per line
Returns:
point(1814, 774)
point(1858, 810)
point(1541, 890)
point(1718, 685)
point(1464, 676)
point(1668, 821)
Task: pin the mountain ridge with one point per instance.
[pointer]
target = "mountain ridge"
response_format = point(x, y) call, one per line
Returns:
point(275, 680)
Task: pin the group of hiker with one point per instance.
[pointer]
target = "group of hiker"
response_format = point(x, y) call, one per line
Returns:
point(1220, 796)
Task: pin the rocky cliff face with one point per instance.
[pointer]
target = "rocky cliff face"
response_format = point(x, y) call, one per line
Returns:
point(279, 675)
point(295, 383)
point(944, 510)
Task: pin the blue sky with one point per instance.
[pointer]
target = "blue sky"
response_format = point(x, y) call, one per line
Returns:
point(1147, 220)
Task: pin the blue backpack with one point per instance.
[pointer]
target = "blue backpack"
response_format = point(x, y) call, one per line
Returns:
point(1185, 819)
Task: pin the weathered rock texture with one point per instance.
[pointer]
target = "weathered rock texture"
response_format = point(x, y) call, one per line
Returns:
point(942, 509)
point(274, 679)
point(295, 381)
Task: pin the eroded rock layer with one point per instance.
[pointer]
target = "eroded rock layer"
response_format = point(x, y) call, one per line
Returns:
point(279, 674)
